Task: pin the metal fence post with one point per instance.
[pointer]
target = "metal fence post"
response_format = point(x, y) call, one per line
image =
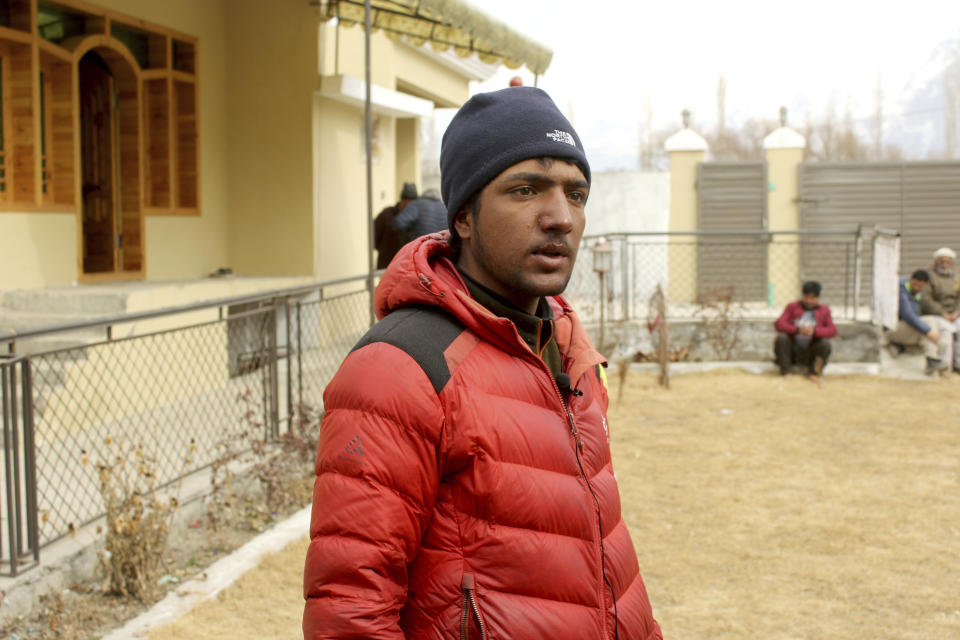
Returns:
point(846, 280)
point(625, 277)
point(273, 418)
point(299, 358)
point(286, 311)
point(13, 444)
point(30, 462)
point(5, 379)
point(12, 475)
point(856, 271)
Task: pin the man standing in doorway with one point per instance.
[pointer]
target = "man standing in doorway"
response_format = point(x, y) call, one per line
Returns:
point(424, 215)
point(464, 481)
point(386, 239)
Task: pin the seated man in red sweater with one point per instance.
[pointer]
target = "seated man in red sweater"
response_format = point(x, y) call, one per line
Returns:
point(803, 330)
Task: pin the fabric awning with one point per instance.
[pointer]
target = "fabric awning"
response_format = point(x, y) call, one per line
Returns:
point(445, 24)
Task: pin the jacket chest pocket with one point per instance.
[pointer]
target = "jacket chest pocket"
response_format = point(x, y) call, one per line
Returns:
point(471, 620)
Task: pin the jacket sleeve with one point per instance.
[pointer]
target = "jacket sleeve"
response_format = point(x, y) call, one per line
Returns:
point(908, 312)
point(377, 477)
point(784, 323)
point(405, 219)
point(825, 327)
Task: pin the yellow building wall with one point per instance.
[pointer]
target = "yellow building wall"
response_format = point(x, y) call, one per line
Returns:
point(783, 214)
point(341, 220)
point(351, 59)
point(393, 65)
point(271, 77)
point(428, 79)
point(282, 173)
point(193, 246)
point(408, 153)
point(37, 249)
point(682, 250)
point(341, 224)
point(42, 247)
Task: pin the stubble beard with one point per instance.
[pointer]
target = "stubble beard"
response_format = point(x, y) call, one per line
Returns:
point(520, 281)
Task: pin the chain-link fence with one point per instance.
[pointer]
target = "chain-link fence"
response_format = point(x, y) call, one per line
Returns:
point(179, 386)
point(179, 383)
point(760, 270)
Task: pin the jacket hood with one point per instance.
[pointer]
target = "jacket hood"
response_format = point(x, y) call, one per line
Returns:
point(423, 274)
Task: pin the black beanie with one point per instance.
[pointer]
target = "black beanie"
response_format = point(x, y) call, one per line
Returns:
point(496, 130)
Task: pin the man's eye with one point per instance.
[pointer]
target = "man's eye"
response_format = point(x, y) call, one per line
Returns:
point(577, 196)
point(524, 191)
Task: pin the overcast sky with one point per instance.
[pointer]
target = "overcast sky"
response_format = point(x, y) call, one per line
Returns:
point(613, 57)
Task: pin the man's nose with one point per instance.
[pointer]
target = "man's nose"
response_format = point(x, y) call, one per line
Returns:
point(556, 214)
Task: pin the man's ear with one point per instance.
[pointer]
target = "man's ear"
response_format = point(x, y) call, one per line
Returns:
point(463, 222)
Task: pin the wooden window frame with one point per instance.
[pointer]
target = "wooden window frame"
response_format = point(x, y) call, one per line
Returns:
point(24, 55)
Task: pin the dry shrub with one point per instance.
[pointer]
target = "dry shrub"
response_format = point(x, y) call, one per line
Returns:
point(220, 503)
point(280, 472)
point(720, 314)
point(285, 471)
point(137, 520)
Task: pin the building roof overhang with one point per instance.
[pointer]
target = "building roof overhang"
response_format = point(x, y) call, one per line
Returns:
point(447, 25)
point(396, 104)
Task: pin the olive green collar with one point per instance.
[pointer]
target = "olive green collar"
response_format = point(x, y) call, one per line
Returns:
point(536, 330)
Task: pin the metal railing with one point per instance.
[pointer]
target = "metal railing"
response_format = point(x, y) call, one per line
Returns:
point(181, 381)
point(763, 270)
point(177, 382)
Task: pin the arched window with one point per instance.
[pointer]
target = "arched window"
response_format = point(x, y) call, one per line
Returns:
point(98, 115)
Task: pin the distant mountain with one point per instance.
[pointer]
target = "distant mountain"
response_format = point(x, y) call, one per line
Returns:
point(918, 122)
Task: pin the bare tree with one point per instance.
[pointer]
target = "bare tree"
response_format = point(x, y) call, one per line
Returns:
point(951, 86)
point(647, 150)
point(878, 118)
point(721, 105)
point(743, 144)
point(849, 146)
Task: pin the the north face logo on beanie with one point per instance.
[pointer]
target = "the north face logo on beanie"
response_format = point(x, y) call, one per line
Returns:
point(561, 136)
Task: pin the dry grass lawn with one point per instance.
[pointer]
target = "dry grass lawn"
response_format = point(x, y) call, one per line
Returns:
point(760, 507)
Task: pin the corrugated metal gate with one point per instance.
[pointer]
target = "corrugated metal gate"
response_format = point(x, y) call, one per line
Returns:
point(931, 211)
point(921, 200)
point(732, 197)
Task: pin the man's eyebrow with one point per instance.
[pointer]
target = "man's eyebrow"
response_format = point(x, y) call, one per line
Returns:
point(541, 178)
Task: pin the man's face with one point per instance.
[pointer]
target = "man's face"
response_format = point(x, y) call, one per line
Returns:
point(943, 264)
point(917, 285)
point(522, 242)
point(810, 300)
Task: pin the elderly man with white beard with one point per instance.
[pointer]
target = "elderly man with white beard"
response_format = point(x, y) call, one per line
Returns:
point(942, 299)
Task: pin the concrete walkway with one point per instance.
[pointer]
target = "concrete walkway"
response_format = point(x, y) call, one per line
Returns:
point(907, 366)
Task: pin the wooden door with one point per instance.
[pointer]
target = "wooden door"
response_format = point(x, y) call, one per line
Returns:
point(97, 156)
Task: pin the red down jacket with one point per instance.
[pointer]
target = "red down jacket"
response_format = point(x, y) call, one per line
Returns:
point(455, 496)
point(786, 322)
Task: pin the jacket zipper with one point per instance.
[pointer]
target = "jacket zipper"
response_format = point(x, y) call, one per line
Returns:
point(583, 473)
point(470, 609)
point(573, 425)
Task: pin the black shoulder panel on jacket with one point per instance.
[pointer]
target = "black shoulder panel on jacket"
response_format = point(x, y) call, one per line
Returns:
point(423, 333)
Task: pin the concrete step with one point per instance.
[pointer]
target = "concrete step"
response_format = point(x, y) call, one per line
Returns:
point(16, 320)
point(21, 321)
point(65, 343)
point(908, 365)
point(87, 300)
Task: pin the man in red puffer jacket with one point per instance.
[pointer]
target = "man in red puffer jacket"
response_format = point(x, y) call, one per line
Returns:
point(464, 482)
